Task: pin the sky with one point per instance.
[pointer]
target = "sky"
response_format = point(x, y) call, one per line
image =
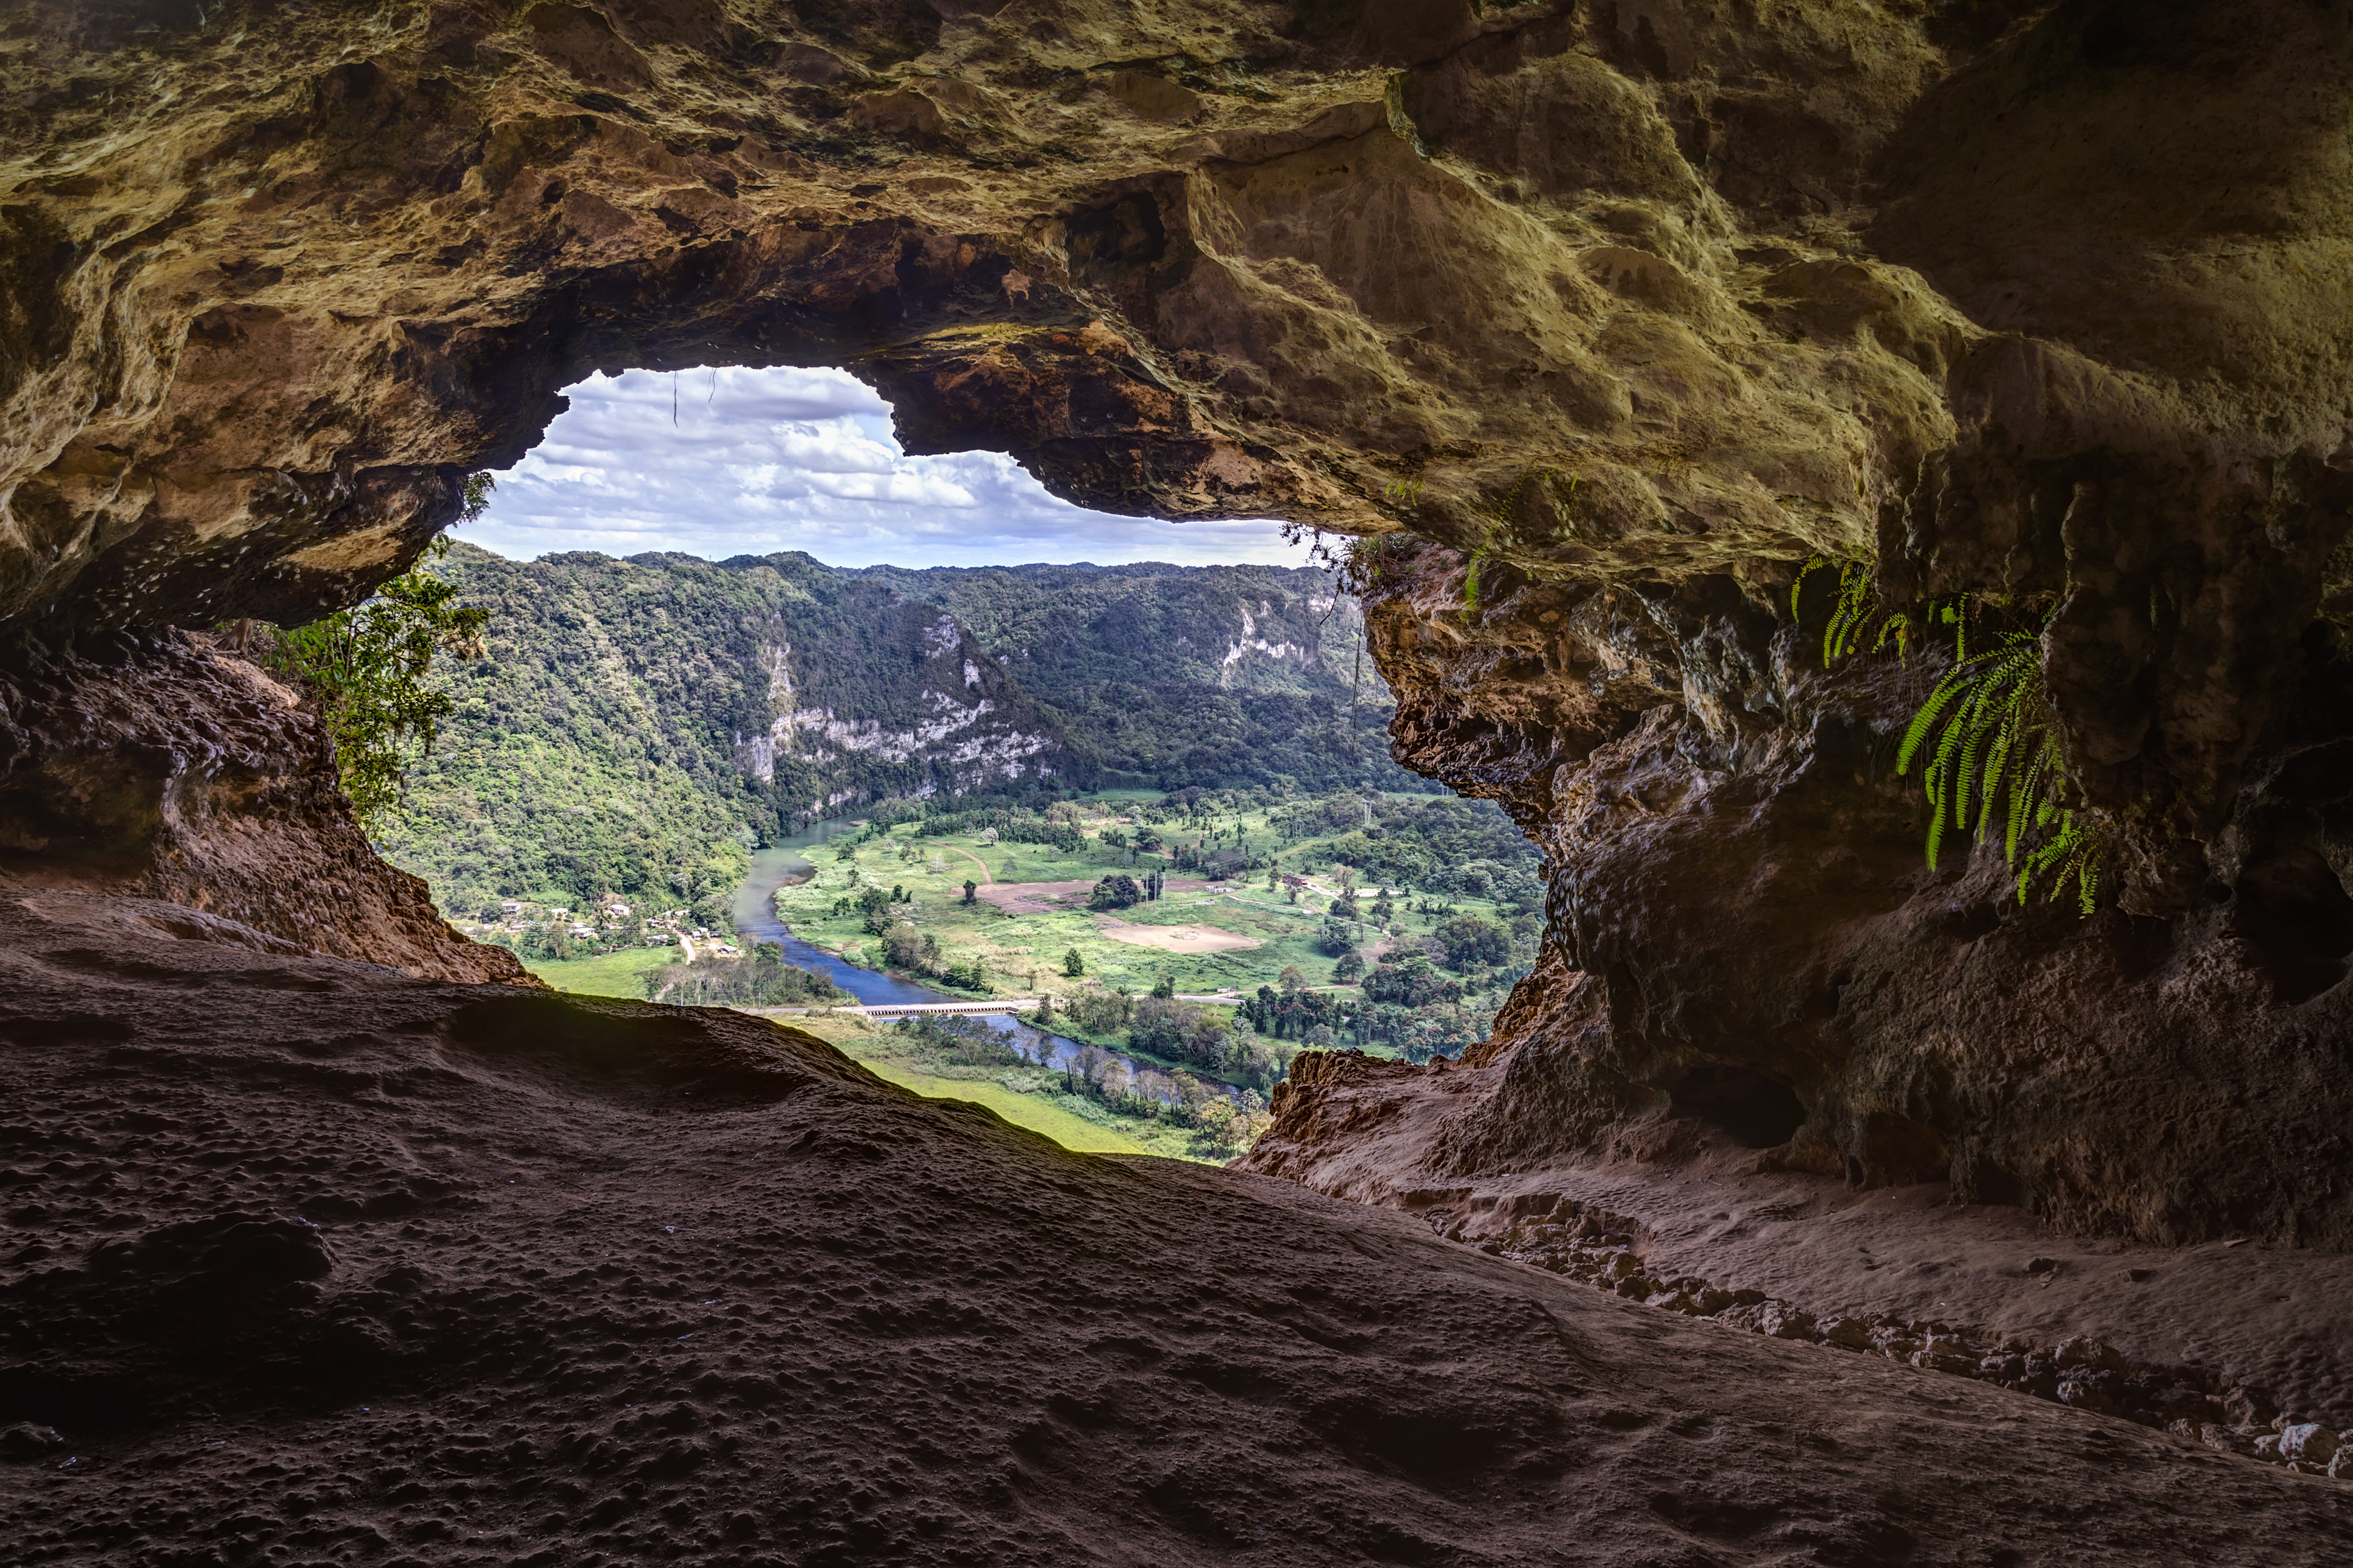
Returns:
point(746, 462)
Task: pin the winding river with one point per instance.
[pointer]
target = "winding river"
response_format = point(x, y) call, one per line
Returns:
point(785, 865)
point(755, 918)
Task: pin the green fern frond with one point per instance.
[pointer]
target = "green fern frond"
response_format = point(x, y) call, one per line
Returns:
point(1993, 761)
point(1995, 774)
point(2024, 797)
point(1847, 616)
point(1898, 626)
point(1952, 686)
point(1813, 563)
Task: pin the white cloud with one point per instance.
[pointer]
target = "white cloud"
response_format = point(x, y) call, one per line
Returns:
point(745, 462)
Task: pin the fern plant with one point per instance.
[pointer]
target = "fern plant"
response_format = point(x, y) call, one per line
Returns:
point(1855, 593)
point(1858, 591)
point(1486, 547)
point(1993, 766)
point(1992, 761)
point(1499, 524)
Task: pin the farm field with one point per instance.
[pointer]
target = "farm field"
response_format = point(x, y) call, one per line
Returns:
point(1028, 909)
point(1383, 922)
point(606, 974)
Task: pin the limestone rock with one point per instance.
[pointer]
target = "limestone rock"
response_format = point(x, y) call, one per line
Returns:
point(674, 1284)
point(1625, 311)
point(2308, 1441)
point(24, 1441)
point(163, 767)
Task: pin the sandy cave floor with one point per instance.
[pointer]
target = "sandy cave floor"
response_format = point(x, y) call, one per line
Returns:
point(1693, 1202)
point(2279, 1318)
point(310, 1263)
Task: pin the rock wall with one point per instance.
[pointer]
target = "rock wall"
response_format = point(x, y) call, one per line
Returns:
point(159, 767)
point(1632, 307)
point(1744, 935)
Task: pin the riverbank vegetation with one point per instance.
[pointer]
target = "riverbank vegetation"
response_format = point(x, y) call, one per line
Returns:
point(1090, 1102)
point(760, 978)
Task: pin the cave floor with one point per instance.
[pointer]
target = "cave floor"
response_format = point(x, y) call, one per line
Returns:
point(309, 1263)
point(2275, 1317)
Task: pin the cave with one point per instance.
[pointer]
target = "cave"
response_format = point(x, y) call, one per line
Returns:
point(1597, 341)
point(1757, 1111)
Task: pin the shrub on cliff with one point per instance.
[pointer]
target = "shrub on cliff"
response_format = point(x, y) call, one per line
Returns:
point(364, 671)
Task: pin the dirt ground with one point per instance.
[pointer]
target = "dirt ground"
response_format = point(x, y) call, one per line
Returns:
point(1177, 938)
point(1693, 1201)
point(307, 1262)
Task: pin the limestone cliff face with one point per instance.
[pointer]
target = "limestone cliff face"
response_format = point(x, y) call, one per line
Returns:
point(1641, 303)
point(958, 723)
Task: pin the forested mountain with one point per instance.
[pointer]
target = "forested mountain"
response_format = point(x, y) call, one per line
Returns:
point(638, 724)
point(1185, 675)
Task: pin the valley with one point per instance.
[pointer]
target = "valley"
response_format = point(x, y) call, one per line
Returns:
point(645, 737)
point(1261, 941)
point(636, 727)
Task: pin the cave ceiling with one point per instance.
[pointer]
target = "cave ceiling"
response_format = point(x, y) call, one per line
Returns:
point(1630, 293)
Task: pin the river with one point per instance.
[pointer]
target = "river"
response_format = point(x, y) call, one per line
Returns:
point(785, 865)
point(756, 918)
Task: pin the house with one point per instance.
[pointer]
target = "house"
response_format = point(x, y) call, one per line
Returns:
point(510, 907)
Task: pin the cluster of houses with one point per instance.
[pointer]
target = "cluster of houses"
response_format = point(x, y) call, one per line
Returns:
point(606, 922)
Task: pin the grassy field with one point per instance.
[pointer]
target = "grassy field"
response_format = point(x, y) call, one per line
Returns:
point(884, 1052)
point(1033, 1111)
point(1031, 911)
point(606, 974)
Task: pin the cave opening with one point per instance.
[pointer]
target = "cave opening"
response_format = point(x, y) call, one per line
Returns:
point(718, 459)
point(1612, 328)
point(788, 485)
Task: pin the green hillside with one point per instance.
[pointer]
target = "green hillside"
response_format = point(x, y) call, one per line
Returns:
point(638, 725)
